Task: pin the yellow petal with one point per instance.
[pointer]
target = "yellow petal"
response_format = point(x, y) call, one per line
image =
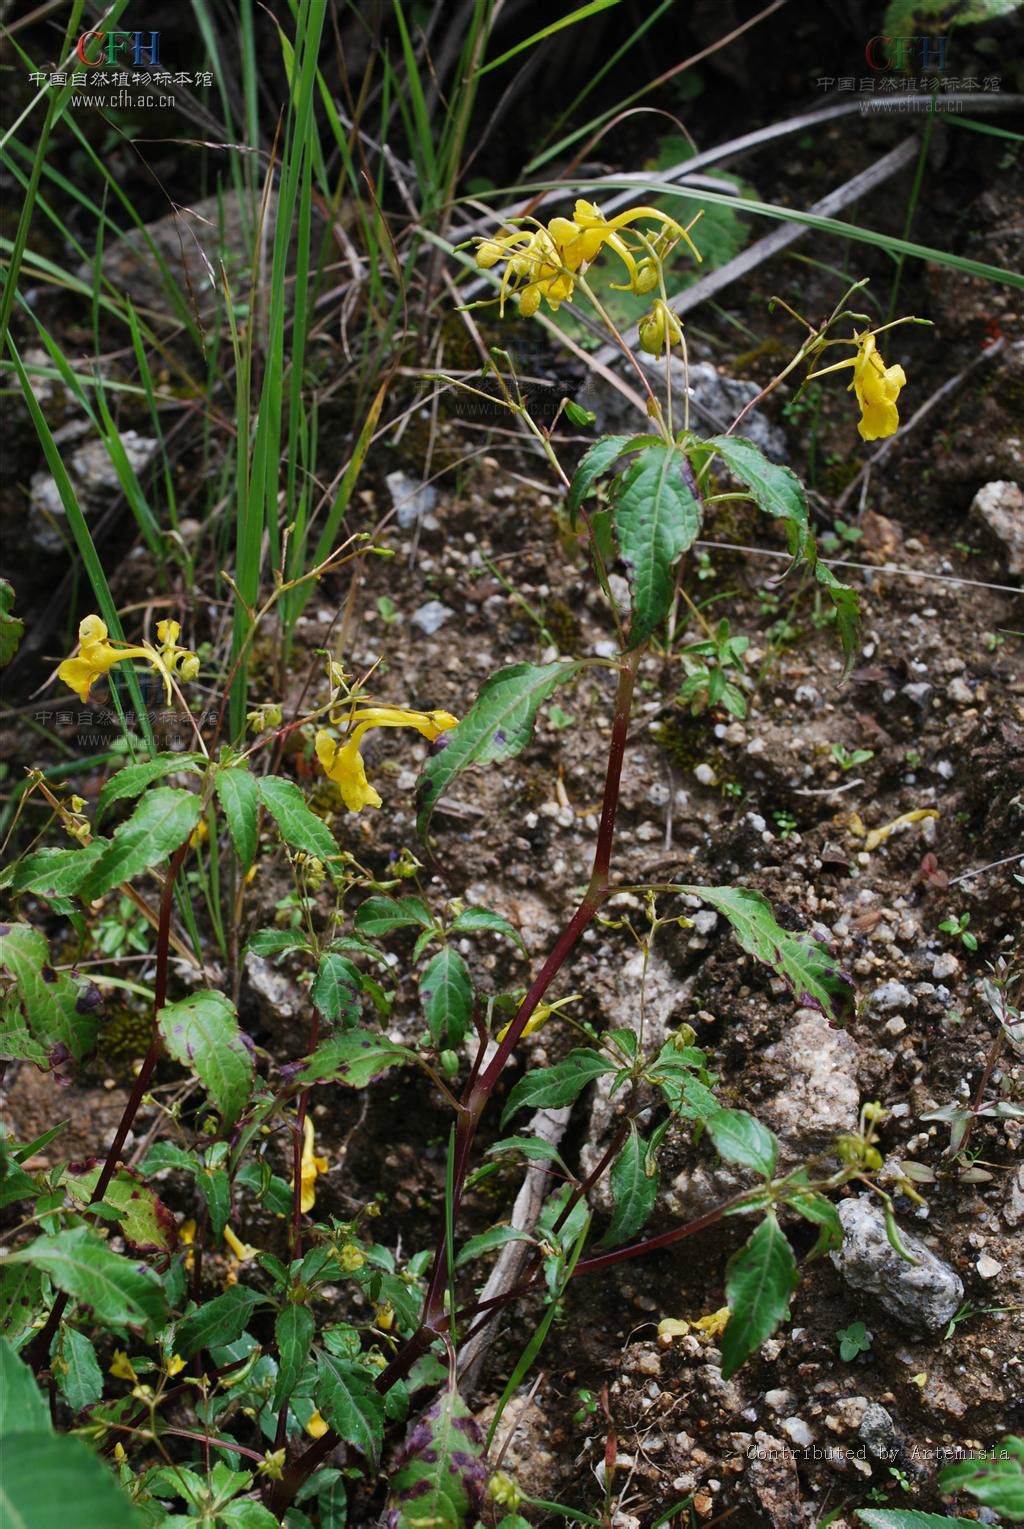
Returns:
point(878, 836)
point(316, 1427)
point(242, 1251)
point(168, 632)
point(79, 675)
point(122, 1367)
point(92, 629)
point(714, 1323)
point(175, 1365)
point(311, 1166)
point(669, 1328)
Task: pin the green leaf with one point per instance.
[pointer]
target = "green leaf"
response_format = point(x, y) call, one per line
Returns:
point(337, 990)
point(531, 1147)
point(487, 1242)
point(132, 779)
point(847, 609)
point(822, 1213)
point(380, 915)
point(57, 872)
point(997, 1480)
point(245, 1513)
point(276, 942)
point(78, 1261)
point(447, 994)
point(215, 1188)
point(346, 1397)
point(298, 826)
point(552, 1087)
point(633, 1191)
point(807, 969)
point(45, 1008)
point(143, 1221)
point(219, 1321)
point(470, 920)
point(910, 1518)
point(775, 489)
point(161, 822)
point(11, 627)
point(21, 1301)
point(56, 1479)
point(202, 1034)
point(240, 803)
point(354, 1058)
point(739, 1138)
point(442, 1476)
point(657, 517)
point(595, 462)
point(294, 1330)
point(76, 1369)
point(498, 725)
point(760, 1279)
point(909, 18)
point(23, 1408)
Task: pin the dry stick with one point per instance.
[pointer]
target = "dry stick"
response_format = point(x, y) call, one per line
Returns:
point(39, 1352)
point(480, 1088)
point(788, 233)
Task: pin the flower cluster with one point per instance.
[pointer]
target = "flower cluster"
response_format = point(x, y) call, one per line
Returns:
point(876, 385)
point(97, 655)
point(545, 262)
point(343, 762)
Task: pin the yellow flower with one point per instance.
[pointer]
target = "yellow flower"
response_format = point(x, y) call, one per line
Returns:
point(316, 1427)
point(168, 632)
point(122, 1367)
point(544, 262)
point(95, 657)
point(343, 763)
point(242, 1251)
point(876, 385)
point(714, 1324)
point(311, 1166)
point(175, 1365)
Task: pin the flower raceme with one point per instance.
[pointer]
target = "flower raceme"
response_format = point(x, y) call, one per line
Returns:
point(97, 655)
point(343, 762)
point(876, 385)
point(545, 262)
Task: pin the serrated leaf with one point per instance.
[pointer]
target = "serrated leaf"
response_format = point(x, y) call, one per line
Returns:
point(245, 1513)
point(119, 1292)
point(294, 1330)
point(440, 1476)
point(57, 872)
point(447, 994)
point(202, 1034)
point(810, 973)
point(822, 1213)
point(686, 1095)
point(471, 920)
point(23, 1407)
point(657, 517)
point(381, 915)
point(997, 1482)
point(144, 1222)
point(215, 1187)
point(487, 1242)
point(532, 1147)
point(21, 1301)
point(775, 489)
point(760, 1279)
point(354, 1058)
point(739, 1138)
point(132, 779)
point(240, 803)
point(552, 1087)
point(276, 942)
point(346, 1397)
point(297, 825)
point(217, 1322)
point(48, 1473)
point(633, 1192)
point(595, 462)
point(44, 1009)
point(161, 822)
point(76, 1369)
point(498, 725)
point(11, 627)
point(337, 990)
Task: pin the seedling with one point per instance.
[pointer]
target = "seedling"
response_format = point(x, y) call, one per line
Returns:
point(853, 1340)
point(957, 927)
point(847, 760)
point(785, 822)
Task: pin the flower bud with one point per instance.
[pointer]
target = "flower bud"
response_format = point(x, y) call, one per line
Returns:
point(188, 669)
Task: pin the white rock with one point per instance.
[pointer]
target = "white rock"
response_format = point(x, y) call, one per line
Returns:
point(431, 617)
point(988, 1267)
point(798, 1432)
point(1000, 507)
